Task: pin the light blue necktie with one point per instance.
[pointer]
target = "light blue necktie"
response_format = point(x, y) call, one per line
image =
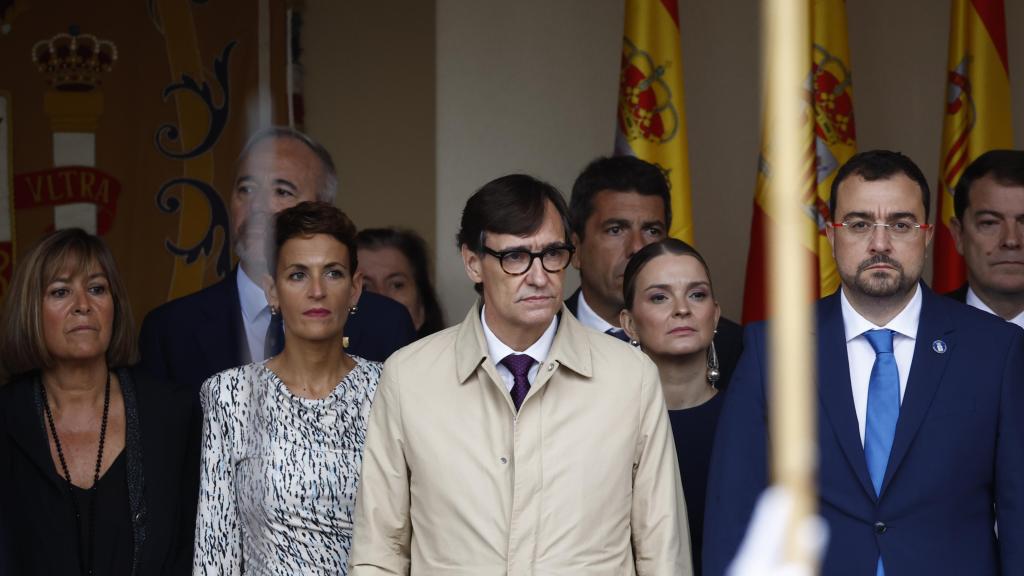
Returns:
point(883, 410)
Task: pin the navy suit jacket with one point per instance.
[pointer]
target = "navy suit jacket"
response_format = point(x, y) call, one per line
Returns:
point(956, 466)
point(192, 338)
point(728, 342)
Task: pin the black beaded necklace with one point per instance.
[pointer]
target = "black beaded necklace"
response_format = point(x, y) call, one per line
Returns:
point(86, 553)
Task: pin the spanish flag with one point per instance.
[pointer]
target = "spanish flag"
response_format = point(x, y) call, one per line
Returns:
point(651, 116)
point(830, 136)
point(977, 115)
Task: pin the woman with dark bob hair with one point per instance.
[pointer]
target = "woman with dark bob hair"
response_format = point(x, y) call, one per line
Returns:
point(283, 438)
point(671, 313)
point(98, 465)
point(394, 264)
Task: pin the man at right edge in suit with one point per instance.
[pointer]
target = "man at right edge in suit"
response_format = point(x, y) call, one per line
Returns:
point(988, 228)
point(921, 405)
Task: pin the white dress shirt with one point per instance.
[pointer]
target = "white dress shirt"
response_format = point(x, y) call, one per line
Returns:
point(862, 356)
point(586, 315)
point(499, 350)
point(973, 300)
point(255, 314)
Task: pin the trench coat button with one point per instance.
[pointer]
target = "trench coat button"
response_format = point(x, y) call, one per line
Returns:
point(551, 366)
point(504, 460)
point(139, 516)
point(880, 528)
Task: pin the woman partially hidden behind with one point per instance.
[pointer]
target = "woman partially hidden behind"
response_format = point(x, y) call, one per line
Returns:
point(671, 313)
point(98, 465)
point(283, 439)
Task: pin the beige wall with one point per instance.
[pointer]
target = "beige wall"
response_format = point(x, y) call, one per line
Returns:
point(369, 93)
point(531, 86)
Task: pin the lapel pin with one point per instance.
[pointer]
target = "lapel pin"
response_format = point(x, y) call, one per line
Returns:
point(940, 347)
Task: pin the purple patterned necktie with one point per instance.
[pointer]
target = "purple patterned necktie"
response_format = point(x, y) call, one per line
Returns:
point(519, 365)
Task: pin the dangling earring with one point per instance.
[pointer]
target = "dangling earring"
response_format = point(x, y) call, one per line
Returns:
point(274, 310)
point(713, 373)
point(634, 343)
point(344, 341)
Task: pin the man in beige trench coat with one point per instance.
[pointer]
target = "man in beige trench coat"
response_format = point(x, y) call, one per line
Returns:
point(519, 442)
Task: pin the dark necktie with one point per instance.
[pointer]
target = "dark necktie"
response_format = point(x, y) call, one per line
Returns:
point(618, 333)
point(273, 344)
point(519, 365)
point(883, 411)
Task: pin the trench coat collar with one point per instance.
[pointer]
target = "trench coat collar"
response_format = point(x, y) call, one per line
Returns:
point(569, 348)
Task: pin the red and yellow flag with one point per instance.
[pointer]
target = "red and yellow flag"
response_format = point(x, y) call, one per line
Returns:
point(651, 116)
point(830, 141)
point(977, 115)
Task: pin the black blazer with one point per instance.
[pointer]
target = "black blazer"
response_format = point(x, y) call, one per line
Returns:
point(194, 337)
point(728, 341)
point(37, 530)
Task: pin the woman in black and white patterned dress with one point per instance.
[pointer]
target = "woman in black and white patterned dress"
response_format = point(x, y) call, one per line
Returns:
point(283, 439)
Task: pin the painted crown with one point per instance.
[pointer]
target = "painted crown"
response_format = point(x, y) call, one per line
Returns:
point(74, 62)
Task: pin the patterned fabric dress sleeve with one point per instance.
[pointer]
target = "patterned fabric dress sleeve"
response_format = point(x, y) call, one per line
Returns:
point(218, 546)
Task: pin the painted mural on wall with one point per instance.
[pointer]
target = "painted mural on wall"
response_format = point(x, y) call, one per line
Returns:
point(125, 118)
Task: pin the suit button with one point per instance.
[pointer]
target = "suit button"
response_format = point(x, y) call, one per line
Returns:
point(880, 527)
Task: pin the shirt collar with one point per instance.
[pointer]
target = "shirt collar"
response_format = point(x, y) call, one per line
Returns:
point(905, 323)
point(498, 350)
point(586, 315)
point(250, 295)
point(973, 300)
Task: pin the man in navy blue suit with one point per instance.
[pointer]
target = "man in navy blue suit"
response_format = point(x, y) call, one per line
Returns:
point(227, 324)
point(921, 405)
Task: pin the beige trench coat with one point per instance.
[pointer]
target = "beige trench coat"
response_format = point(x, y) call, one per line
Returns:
point(584, 481)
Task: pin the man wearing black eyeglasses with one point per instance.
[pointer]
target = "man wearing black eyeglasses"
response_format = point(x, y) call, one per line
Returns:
point(921, 400)
point(519, 441)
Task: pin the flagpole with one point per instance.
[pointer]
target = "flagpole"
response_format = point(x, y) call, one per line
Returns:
point(786, 50)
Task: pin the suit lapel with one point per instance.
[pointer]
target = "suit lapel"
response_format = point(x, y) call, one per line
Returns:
point(835, 390)
point(926, 371)
point(222, 337)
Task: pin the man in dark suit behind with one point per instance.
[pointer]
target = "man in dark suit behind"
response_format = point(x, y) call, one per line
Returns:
point(619, 205)
point(988, 228)
point(921, 411)
point(227, 324)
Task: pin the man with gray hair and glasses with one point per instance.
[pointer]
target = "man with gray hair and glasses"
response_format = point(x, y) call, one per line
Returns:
point(230, 323)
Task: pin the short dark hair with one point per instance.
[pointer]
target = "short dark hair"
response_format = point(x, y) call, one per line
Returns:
point(309, 218)
point(649, 252)
point(512, 204)
point(22, 343)
point(619, 174)
point(875, 165)
point(414, 248)
point(329, 187)
point(1004, 166)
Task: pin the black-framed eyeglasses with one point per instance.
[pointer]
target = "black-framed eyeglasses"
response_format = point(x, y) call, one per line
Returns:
point(517, 262)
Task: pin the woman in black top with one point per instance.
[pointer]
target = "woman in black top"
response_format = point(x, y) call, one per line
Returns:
point(98, 467)
point(671, 313)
